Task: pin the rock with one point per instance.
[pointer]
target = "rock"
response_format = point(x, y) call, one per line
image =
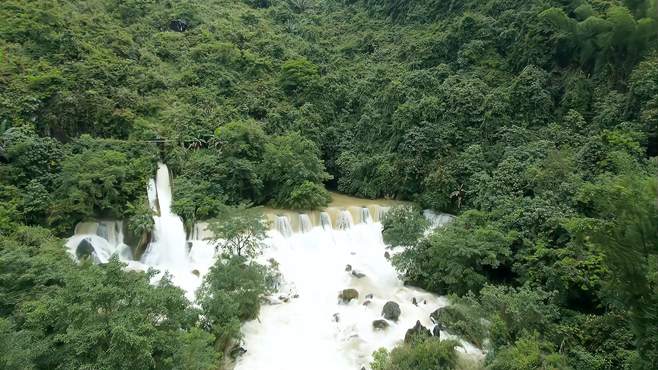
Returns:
point(284, 298)
point(387, 255)
point(348, 294)
point(436, 331)
point(367, 302)
point(425, 301)
point(237, 351)
point(85, 249)
point(391, 311)
point(436, 316)
point(348, 268)
point(418, 331)
point(353, 253)
point(357, 274)
point(414, 301)
point(179, 25)
point(369, 296)
point(336, 317)
point(295, 296)
point(380, 324)
point(196, 273)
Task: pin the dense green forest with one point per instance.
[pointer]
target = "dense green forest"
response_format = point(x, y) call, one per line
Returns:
point(535, 121)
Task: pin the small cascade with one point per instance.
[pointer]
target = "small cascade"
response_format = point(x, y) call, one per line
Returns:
point(152, 195)
point(365, 216)
point(344, 221)
point(325, 221)
point(305, 224)
point(382, 213)
point(283, 226)
point(437, 219)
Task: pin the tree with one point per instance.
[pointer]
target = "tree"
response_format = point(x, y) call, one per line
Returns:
point(403, 226)
point(428, 354)
point(239, 231)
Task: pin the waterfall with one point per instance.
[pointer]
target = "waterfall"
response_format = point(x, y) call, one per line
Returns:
point(437, 219)
point(305, 224)
point(312, 328)
point(168, 247)
point(283, 226)
point(365, 215)
point(344, 220)
point(325, 221)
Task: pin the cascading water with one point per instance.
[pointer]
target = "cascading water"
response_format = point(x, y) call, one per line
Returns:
point(325, 221)
point(283, 226)
point(318, 331)
point(305, 224)
point(365, 215)
point(344, 220)
point(168, 248)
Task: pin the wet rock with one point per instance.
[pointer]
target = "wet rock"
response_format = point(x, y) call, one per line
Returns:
point(284, 299)
point(391, 311)
point(353, 253)
point(380, 324)
point(85, 249)
point(237, 351)
point(348, 268)
point(425, 301)
point(369, 296)
point(418, 331)
point(387, 255)
point(357, 274)
point(436, 316)
point(336, 317)
point(348, 294)
point(414, 301)
point(436, 331)
point(196, 273)
point(179, 25)
point(295, 296)
point(367, 302)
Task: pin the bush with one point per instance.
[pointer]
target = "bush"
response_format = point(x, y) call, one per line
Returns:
point(430, 354)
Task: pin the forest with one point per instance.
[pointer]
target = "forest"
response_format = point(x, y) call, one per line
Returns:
point(535, 122)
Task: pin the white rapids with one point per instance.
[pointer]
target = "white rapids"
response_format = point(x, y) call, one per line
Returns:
point(313, 329)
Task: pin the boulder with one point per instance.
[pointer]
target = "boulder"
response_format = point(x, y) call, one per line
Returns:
point(436, 331)
point(348, 294)
point(367, 302)
point(436, 316)
point(369, 296)
point(85, 249)
point(348, 268)
point(196, 273)
point(380, 324)
point(357, 274)
point(237, 351)
point(387, 255)
point(414, 301)
point(418, 331)
point(391, 311)
point(179, 25)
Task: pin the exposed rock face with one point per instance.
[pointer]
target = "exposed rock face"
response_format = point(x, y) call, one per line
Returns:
point(391, 311)
point(348, 294)
point(436, 317)
point(418, 331)
point(84, 249)
point(380, 324)
point(179, 25)
point(237, 351)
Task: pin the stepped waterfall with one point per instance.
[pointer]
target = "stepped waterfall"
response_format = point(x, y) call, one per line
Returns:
point(304, 325)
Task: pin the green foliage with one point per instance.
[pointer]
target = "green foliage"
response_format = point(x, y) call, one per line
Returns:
point(231, 292)
point(308, 196)
point(239, 231)
point(299, 75)
point(140, 217)
point(528, 353)
point(403, 226)
point(459, 258)
point(428, 354)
